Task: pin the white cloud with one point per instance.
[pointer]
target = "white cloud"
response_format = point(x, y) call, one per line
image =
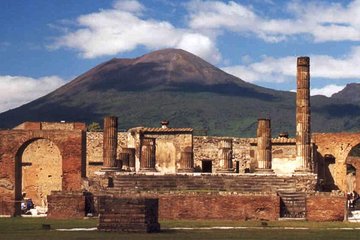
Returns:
point(283, 69)
point(324, 22)
point(18, 90)
point(328, 90)
point(121, 29)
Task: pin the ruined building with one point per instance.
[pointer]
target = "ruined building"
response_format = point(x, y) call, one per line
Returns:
point(62, 166)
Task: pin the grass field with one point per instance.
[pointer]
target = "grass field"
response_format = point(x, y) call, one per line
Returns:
point(31, 228)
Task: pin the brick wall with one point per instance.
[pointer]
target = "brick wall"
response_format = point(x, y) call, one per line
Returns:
point(205, 206)
point(66, 205)
point(325, 207)
point(128, 214)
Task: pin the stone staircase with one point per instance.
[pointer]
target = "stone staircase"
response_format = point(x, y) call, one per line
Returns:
point(292, 204)
point(247, 183)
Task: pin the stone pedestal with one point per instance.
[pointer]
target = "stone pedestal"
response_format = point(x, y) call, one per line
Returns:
point(110, 144)
point(303, 131)
point(147, 161)
point(264, 146)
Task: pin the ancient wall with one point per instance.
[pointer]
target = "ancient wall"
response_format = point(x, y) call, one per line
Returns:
point(128, 214)
point(244, 150)
point(169, 144)
point(94, 150)
point(41, 170)
point(51, 126)
point(207, 148)
point(13, 143)
point(204, 206)
point(66, 205)
point(333, 149)
point(325, 207)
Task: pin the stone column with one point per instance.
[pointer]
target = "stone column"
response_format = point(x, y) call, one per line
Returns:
point(147, 160)
point(264, 146)
point(303, 133)
point(110, 143)
point(131, 158)
point(225, 155)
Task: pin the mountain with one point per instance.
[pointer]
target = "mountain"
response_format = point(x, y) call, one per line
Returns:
point(350, 94)
point(178, 86)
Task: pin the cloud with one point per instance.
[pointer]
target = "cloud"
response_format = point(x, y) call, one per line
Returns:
point(121, 29)
point(327, 90)
point(336, 22)
point(283, 69)
point(18, 90)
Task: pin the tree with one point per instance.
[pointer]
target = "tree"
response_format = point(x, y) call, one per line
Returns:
point(94, 127)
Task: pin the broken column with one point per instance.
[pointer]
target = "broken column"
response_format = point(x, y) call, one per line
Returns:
point(264, 146)
point(186, 161)
point(110, 143)
point(129, 155)
point(303, 135)
point(147, 161)
point(225, 155)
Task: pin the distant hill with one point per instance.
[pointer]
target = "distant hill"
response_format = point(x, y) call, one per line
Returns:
point(178, 86)
point(351, 93)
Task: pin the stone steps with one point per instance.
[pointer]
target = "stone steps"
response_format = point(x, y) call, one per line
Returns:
point(235, 183)
point(293, 204)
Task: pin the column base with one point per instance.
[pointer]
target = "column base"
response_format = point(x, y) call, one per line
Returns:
point(264, 171)
point(229, 170)
point(302, 171)
point(185, 170)
point(148, 170)
point(110, 169)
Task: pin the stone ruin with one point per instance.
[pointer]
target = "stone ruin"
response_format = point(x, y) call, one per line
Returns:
point(75, 173)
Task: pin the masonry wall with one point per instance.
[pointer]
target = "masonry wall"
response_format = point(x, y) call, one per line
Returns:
point(333, 171)
point(244, 151)
point(204, 206)
point(12, 146)
point(66, 205)
point(325, 207)
point(94, 150)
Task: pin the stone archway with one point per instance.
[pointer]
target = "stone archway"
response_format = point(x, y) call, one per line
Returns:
point(353, 169)
point(39, 170)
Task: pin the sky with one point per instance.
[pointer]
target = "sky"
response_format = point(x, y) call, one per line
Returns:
point(47, 43)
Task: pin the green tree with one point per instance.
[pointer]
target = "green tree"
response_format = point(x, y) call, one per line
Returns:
point(94, 127)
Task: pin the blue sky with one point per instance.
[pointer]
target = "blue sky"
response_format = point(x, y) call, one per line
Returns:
point(44, 44)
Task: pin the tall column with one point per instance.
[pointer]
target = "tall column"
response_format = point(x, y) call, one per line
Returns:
point(303, 132)
point(110, 143)
point(147, 161)
point(225, 155)
point(264, 146)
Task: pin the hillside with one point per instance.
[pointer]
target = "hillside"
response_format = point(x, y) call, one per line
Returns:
point(181, 87)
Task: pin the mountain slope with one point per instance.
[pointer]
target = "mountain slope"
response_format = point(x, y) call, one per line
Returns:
point(181, 87)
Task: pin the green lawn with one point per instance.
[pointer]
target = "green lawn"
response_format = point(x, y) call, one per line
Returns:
point(31, 228)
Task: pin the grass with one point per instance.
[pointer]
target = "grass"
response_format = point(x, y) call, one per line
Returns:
point(31, 228)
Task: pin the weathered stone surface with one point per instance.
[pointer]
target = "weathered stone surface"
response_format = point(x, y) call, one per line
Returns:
point(66, 205)
point(338, 145)
point(325, 207)
point(12, 146)
point(110, 142)
point(205, 206)
point(128, 214)
point(263, 153)
point(303, 132)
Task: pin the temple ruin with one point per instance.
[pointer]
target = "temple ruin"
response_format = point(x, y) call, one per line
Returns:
point(69, 170)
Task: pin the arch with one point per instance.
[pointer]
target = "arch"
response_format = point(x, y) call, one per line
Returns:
point(38, 171)
point(353, 169)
